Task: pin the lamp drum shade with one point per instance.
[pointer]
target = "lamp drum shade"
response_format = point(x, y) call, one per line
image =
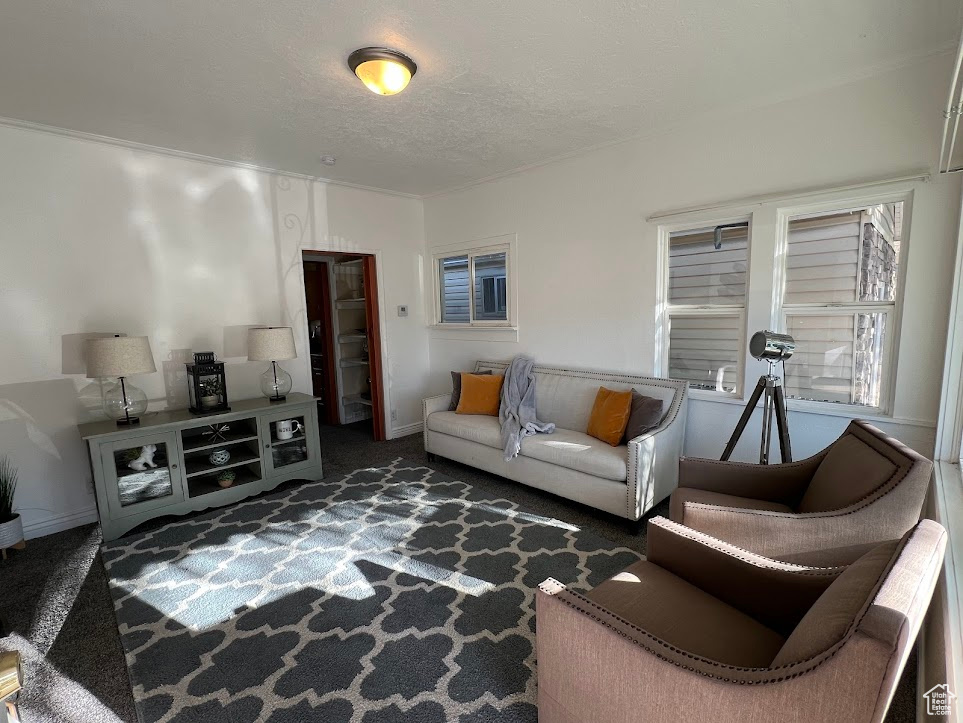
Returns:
point(119, 356)
point(272, 343)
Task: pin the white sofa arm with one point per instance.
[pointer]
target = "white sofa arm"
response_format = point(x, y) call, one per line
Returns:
point(653, 461)
point(436, 404)
point(431, 405)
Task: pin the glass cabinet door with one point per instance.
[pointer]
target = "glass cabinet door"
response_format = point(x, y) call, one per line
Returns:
point(287, 442)
point(142, 473)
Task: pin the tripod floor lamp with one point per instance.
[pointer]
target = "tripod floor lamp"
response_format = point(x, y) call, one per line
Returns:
point(772, 348)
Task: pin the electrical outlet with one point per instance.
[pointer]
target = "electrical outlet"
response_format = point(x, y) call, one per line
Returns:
point(394, 415)
point(403, 310)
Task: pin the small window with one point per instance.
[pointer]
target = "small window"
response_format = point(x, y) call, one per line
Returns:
point(455, 308)
point(474, 287)
point(842, 276)
point(706, 306)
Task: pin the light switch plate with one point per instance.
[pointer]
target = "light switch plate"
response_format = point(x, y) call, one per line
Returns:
point(403, 310)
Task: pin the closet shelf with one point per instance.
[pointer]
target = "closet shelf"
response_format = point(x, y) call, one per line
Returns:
point(350, 303)
point(356, 399)
point(354, 362)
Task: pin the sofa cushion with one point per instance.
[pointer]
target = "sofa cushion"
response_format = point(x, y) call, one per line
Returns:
point(473, 427)
point(682, 495)
point(687, 618)
point(480, 394)
point(610, 414)
point(850, 471)
point(456, 387)
point(834, 612)
point(645, 415)
point(578, 451)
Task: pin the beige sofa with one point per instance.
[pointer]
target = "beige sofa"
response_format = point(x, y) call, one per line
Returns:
point(703, 630)
point(625, 481)
point(865, 488)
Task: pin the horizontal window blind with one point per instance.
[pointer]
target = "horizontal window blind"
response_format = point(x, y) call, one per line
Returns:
point(704, 350)
point(822, 263)
point(701, 275)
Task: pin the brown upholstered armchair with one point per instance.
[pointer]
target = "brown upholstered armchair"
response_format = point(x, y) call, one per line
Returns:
point(825, 510)
point(702, 630)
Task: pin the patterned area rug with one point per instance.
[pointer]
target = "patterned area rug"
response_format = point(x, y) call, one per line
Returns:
point(393, 594)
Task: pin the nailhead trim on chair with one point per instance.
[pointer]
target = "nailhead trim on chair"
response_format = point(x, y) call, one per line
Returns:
point(740, 553)
point(632, 466)
point(556, 589)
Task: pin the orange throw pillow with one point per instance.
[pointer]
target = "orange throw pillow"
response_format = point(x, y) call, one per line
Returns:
point(480, 394)
point(610, 414)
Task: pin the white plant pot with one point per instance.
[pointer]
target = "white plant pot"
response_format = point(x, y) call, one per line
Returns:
point(11, 532)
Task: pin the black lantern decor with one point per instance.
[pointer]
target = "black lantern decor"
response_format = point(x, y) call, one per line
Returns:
point(206, 385)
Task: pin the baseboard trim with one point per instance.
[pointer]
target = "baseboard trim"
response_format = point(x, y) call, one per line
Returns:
point(406, 430)
point(59, 523)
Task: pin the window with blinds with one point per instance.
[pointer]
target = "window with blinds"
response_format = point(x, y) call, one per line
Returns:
point(706, 307)
point(842, 273)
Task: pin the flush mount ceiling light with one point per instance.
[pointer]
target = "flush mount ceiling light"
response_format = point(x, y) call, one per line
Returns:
point(383, 71)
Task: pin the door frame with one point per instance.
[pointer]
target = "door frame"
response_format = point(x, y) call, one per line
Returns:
point(369, 267)
point(330, 380)
point(322, 248)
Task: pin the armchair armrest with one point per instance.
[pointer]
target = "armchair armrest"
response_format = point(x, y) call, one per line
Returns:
point(777, 594)
point(784, 483)
point(818, 538)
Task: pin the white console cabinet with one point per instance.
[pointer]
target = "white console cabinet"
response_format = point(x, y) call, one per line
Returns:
point(167, 465)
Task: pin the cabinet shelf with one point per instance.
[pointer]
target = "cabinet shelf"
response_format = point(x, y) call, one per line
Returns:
point(207, 484)
point(195, 468)
point(229, 440)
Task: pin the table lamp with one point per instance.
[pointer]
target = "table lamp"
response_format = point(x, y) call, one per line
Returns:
point(273, 344)
point(121, 356)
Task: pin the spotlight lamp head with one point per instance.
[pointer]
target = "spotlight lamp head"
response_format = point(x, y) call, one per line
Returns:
point(772, 347)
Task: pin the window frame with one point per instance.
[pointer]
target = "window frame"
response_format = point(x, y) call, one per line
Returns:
point(842, 203)
point(666, 310)
point(473, 249)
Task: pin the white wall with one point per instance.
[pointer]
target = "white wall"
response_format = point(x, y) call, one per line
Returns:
point(102, 238)
point(586, 257)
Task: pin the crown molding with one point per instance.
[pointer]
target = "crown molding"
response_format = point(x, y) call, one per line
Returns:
point(187, 155)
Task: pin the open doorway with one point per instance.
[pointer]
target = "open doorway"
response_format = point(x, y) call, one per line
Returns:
point(341, 291)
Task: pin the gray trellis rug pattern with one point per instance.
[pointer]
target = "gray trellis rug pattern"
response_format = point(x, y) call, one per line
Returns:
point(393, 594)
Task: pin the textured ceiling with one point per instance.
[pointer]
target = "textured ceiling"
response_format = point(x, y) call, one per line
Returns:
point(501, 84)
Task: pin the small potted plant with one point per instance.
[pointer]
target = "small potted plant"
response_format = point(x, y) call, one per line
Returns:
point(11, 526)
point(212, 393)
point(226, 478)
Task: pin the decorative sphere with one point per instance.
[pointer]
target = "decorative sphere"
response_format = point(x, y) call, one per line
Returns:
point(117, 407)
point(219, 457)
point(275, 385)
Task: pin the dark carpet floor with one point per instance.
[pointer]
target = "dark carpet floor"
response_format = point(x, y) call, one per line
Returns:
point(55, 599)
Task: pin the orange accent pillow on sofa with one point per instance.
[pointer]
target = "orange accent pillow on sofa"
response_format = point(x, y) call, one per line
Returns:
point(610, 414)
point(480, 394)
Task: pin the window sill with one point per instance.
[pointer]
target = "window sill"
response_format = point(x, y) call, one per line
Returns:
point(817, 408)
point(466, 332)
